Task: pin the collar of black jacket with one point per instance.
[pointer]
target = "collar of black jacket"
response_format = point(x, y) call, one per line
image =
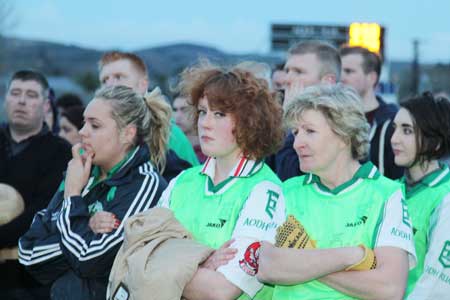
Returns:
point(136, 159)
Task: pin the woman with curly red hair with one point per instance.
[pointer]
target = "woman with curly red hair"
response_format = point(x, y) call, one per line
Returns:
point(234, 199)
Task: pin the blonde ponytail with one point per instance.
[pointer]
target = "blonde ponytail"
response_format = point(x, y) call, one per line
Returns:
point(159, 129)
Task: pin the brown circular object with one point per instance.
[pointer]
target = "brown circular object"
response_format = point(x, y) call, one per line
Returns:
point(11, 203)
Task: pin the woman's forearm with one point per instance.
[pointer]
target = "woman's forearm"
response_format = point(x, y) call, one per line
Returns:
point(293, 266)
point(387, 281)
point(212, 285)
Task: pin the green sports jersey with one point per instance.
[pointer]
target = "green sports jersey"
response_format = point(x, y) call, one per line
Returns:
point(248, 207)
point(368, 209)
point(423, 198)
point(181, 145)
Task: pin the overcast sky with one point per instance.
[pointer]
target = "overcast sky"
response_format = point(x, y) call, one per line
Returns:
point(235, 26)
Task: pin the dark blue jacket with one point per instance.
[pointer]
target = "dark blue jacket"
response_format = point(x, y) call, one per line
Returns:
point(382, 129)
point(61, 248)
point(174, 165)
point(285, 162)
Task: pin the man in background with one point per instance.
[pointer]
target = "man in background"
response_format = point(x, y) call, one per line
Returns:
point(308, 63)
point(32, 161)
point(361, 70)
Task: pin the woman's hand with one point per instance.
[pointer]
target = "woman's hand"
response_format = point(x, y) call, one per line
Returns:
point(103, 222)
point(78, 171)
point(266, 256)
point(220, 257)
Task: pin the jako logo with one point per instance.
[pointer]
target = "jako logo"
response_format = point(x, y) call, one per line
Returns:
point(362, 220)
point(217, 225)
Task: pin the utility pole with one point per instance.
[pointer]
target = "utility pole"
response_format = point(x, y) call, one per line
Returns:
point(415, 68)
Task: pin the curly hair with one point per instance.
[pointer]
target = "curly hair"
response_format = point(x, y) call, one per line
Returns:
point(342, 108)
point(254, 108)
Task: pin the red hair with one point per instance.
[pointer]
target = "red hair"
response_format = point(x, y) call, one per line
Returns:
point(255, 109)
point(113, 56)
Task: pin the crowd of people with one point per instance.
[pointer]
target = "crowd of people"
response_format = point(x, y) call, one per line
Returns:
point(302, 183)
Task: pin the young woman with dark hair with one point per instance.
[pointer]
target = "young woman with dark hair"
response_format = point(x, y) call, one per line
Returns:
point(420, 140)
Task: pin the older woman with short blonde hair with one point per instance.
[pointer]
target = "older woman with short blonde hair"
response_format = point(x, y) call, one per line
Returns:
point(349, 234)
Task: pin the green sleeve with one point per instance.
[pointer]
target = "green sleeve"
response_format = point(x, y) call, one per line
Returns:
point(181, 145)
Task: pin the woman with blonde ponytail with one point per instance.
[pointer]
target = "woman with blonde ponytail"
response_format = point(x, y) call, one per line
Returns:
point(114, 175)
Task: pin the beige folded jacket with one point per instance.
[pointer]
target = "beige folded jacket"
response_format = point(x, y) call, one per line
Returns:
point(157, 259)
point(11, 206)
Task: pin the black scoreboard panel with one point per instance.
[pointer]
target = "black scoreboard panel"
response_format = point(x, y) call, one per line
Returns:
point(368, 35)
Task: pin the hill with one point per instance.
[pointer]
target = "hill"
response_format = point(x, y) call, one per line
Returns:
point(56, 59)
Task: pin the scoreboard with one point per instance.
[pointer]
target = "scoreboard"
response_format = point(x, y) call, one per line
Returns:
point(367, 35)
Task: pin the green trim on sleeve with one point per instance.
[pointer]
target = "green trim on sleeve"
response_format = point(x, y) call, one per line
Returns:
point(376, 232)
